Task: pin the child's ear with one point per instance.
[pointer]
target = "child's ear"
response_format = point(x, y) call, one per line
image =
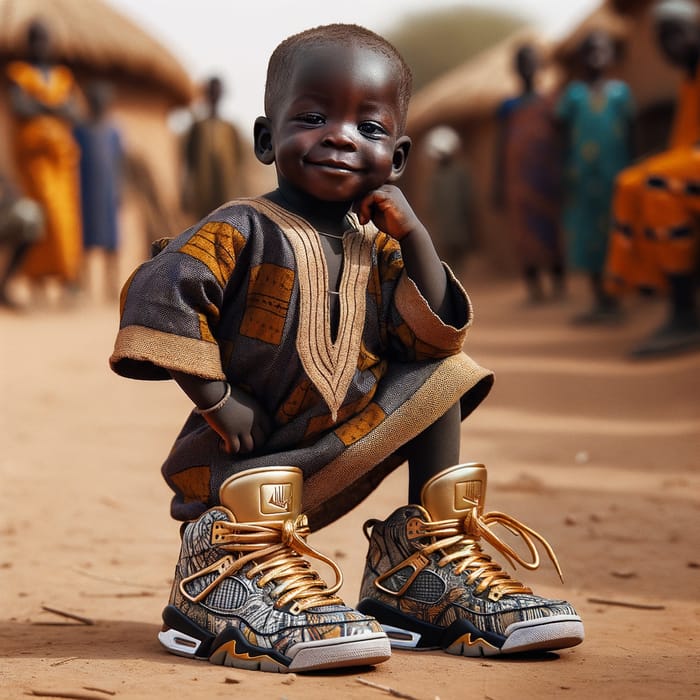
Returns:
point(398, 163)
point(262, 141)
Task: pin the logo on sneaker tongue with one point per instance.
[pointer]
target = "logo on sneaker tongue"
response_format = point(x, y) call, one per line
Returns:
point(275, 498)
point(467, 494)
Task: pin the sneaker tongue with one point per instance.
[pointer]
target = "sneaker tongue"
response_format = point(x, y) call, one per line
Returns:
point(455, 491)
point(267, 493)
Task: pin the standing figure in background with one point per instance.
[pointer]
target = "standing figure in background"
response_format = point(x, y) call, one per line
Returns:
point(654, 242)
point(101, 166)
point(450, 205)
point(527, 180)
point(213, 158)
point(596, 116)
point(42, 98)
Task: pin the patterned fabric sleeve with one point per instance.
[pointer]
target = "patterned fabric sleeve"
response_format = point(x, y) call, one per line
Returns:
point(414, 330)
point(170, 307)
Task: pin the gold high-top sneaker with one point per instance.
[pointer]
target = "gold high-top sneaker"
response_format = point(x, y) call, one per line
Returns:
point(245, 596)
point(429, 583)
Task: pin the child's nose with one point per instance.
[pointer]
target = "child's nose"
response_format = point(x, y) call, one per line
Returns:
point(339, 136)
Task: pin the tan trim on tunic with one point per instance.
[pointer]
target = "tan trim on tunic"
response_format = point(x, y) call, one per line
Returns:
point(167, 350)
point(424, 322)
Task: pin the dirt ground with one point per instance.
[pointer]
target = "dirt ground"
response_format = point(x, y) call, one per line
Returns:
point(599, 453)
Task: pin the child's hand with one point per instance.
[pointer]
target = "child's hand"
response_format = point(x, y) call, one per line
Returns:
point(388, 209)
point(241, 422)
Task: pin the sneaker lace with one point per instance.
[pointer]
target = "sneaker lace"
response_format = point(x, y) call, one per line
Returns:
point(458, 539)
point(277, 550)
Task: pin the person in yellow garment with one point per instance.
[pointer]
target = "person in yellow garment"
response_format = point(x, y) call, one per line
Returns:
point(43, 101)
point(654, 242)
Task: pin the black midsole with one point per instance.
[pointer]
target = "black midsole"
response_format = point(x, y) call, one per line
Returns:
point(177, 620)
point(431, 636)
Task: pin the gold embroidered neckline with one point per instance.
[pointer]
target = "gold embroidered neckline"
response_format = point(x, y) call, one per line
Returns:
point(329, 365)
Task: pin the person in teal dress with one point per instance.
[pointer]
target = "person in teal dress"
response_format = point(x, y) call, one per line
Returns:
point(596, 115)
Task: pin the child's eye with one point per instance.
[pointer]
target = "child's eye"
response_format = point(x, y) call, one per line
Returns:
point(311, 118)
point(372, 129)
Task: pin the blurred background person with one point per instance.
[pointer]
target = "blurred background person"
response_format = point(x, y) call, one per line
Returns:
point(527, 179)
point(43, 102)
point(101, 170)
point(595, 114)
point(21, 226)
point(213, 158)
point(654, 242)
point(450, 198)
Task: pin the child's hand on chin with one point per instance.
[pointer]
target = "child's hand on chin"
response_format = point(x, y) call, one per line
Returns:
point(388, 209)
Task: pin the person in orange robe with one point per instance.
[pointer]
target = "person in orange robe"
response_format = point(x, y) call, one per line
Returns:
point(654, 243)
point(43, 99)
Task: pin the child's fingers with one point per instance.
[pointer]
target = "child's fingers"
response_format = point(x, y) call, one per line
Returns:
point(246, 442)
point(233, 445)
point(363, 208)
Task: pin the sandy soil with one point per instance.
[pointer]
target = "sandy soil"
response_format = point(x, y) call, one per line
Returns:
point(599, 453)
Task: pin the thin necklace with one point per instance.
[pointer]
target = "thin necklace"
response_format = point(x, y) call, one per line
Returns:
point(350, 228)
point(330, 235)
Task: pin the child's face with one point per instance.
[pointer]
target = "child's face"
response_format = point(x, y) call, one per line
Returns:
point(335, 130)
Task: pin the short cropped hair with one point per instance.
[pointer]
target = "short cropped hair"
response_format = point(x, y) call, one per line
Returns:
point(280, 65)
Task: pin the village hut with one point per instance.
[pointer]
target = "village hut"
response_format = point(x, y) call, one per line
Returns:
point(467, 99)
point(97, 42)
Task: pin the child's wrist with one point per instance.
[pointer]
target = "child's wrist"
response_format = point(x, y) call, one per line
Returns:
point(218, 405)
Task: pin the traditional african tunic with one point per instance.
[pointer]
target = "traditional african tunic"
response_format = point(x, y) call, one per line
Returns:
point(532, 179)
point(47, 160)
point(599, 148)
point(243, 297)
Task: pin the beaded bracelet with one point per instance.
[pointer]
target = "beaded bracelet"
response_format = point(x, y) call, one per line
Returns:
point(218, 405)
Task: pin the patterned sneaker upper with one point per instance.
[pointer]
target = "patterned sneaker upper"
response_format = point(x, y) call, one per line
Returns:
point(426, 562)
point(254, 575)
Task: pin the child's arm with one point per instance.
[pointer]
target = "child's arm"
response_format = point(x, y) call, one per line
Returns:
point(236, 416)
point(391, 213)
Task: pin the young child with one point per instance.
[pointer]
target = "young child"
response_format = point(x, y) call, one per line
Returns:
point(319, 337)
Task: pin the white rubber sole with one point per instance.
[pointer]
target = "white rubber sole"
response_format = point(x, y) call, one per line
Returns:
point(359, 650)
point(179, 643)
point(364, 650)
point(546, 634)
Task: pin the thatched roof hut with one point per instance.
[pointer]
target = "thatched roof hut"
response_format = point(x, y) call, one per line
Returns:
point(91, 37)
point(467, 98)
point(473, 90)
point(97, 42)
